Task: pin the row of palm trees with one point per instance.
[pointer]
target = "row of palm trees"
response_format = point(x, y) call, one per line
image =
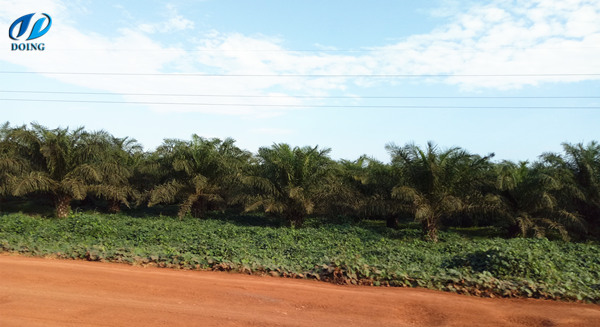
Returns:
point(558, 194)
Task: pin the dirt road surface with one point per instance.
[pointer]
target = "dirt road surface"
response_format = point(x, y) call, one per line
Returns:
point(50, 292)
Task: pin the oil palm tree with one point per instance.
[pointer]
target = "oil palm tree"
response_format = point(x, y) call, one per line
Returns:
point(580, 165)
point(198, 174)
point(531, 200)
point(61, 162)
point(373, 181)
point(12, 164)
point(116, 170)
point(288, 181)
point(435, 183)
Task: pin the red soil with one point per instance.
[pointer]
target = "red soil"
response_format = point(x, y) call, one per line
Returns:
point(49, 292)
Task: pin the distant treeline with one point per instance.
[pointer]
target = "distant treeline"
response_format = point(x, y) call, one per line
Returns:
point(556, 196)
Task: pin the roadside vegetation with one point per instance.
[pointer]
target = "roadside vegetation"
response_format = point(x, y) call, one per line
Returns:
point(366, 253)
point(433, 217)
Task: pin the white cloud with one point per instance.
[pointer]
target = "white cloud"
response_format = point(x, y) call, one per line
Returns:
point(174, 22)
point(538, 36)
point(12, 10)
point(530, 37)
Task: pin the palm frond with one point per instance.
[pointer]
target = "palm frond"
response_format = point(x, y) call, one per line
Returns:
point(85, 172)
point(32, 182)
point(164, 193)
point(121, 194)
point(406, 194)
point(73, 187)
point(262, 184)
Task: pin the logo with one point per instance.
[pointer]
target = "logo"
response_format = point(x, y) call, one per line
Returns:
point(40, 28)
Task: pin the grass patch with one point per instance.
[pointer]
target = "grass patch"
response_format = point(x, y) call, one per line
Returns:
point(365, 253)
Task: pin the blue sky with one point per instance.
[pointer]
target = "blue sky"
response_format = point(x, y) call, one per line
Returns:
point(474, 74)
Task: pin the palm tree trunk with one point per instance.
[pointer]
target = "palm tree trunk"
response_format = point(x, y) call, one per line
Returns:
point(295, 218)
point(391, 221)
point(297, 221)
point(114, 206)
point(430, 229)
point(199, 207)
point(62, 204)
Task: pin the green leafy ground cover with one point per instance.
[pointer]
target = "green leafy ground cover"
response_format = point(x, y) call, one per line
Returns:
point(365, 253)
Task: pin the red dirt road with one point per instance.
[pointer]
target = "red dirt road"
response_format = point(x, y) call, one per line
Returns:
point(49, 292)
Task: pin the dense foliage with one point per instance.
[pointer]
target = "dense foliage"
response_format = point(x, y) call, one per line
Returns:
point(365, 253)
point(435, 183)
point(199, 174)
point(557, 196)
point(288, 181)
